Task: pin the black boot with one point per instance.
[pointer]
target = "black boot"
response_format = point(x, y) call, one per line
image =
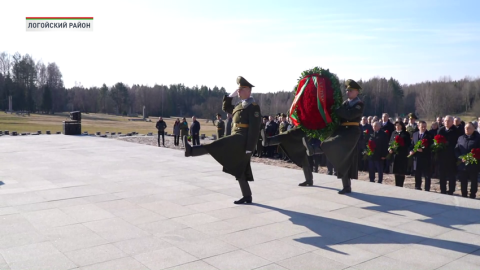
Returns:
point(243, 200)
point(311, 150)
point(306, 184)
point(194, 151)
point(345, 190)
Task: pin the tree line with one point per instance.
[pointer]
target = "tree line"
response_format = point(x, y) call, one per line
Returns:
point(38, 87)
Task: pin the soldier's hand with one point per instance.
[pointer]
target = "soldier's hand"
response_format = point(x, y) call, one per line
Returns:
point(248, 152)
point(234, 94)
point(420, 150)
point(411, 152)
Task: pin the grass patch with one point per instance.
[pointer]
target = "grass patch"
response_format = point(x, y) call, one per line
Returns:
point(90, 122)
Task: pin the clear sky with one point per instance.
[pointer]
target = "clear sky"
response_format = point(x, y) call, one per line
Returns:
point(202, 42)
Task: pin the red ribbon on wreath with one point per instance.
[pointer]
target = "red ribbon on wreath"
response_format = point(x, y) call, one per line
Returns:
point(312, 89)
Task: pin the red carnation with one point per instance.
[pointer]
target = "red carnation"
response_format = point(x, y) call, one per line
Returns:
point(372, 145)
point(399, 140)
point(476, 153)
point(367, 132)
point(425, 143)
point(386, 131)
point(440, 139)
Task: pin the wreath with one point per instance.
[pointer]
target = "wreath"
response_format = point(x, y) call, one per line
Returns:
point(317, 94)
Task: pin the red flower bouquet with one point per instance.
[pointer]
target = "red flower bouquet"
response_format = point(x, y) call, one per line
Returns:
point(471, 158)
point(394, 145)
point(439, 143)
point(370, 150)
point(423, 144)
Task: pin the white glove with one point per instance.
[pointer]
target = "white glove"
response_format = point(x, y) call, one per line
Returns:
point(234, 94)
point(248, 152)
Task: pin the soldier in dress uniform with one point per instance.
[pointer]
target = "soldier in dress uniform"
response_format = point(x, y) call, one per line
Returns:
point(341, 148)
point(220, 126)
point(234, 152)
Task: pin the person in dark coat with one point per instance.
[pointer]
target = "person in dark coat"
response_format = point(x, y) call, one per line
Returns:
point(315, 159)
point(176, 132)
point(470, 140)
point(423, 157)
point(447, 161)
point(228, 125)
point(400, 161)
point(440, 121)
point(195, 131)
point(387, 128)
point(367, 130)
point(234, 152)
point(183, 129)
point(376, 161)
point(271, 128)
point(460, 125)
point(259, 149)
point(161, 126)
point(341, 147)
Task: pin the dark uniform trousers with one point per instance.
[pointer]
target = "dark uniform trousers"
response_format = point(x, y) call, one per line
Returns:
point(378, 166)
point(451, 178)
point(419, 172)
point(465, 177)
point(242, 181)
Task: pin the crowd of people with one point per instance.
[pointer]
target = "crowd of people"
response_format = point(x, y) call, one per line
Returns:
point(419, 162)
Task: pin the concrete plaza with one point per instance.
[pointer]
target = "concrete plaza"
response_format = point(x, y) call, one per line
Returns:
point(80, 202)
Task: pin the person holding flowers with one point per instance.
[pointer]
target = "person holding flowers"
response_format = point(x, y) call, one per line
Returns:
point(447, 161)
point(399, 146)
point(375, 162)
point(467, 151)
point(421, 152)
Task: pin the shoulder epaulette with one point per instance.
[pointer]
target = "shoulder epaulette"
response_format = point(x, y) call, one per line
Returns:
point(253, 103)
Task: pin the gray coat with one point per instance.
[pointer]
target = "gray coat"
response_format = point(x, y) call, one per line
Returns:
point(176, 129)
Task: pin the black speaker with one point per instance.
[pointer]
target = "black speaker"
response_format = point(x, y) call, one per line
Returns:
point(76, 116)
point(72, 128)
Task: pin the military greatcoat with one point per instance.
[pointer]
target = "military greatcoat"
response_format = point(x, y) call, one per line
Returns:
point(341, 147)
point(230, 151)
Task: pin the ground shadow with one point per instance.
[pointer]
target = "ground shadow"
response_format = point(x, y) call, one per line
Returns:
point(430, 210)
point(334, 232)
point(2, 183)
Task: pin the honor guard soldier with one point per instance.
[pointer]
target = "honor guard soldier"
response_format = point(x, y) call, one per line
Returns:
point(341, 148)
point(234, 152)
point(220, 126)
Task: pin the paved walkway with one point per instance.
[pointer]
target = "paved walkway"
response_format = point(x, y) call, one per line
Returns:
point(71, 202)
